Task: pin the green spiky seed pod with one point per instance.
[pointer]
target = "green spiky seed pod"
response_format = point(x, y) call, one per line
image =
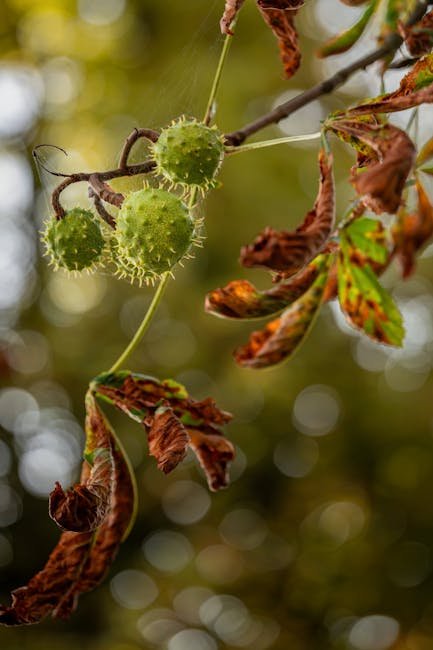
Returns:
point(75, 242)
point(189, 153)
point(154, 230)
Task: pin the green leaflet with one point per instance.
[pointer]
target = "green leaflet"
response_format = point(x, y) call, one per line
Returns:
point(369, 237)
point(344, 41)
point(365, 303)
point(427, 170)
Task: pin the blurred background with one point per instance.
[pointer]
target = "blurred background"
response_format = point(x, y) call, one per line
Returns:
point(325, 537)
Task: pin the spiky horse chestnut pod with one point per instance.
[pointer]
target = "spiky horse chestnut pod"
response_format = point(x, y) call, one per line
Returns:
point(189, 153)
point(75, 242)
point(154, 231)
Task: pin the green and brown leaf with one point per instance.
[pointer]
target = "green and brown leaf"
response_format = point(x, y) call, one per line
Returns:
point(280, 339)
point(365, 303)
point(241, 300)
point(386, 157)
point(166, 411)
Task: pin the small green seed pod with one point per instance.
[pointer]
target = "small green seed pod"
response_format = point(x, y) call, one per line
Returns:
point(189, 153)
point(75, 242)
point(154, 230)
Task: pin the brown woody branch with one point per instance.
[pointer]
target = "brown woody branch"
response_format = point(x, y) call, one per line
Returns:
point(390, 46)
point(132, 138)
point(99, 178)
point(100, 208)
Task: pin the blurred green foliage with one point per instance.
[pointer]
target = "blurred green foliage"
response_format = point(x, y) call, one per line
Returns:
point(325, 536)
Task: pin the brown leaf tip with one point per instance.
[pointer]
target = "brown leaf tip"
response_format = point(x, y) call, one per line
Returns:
point(214, 453)
point(80, 509)
point(168, 439)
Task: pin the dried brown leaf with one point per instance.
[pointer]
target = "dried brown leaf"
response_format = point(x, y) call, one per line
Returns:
point(419, 37)
point(80, 560)
point(289, 252)
point(109, 536)
point(412, 231)
point(241, 300)
point(166, 408)
point(214, 453)
point(84, 507)
point(168, 439)
point(280, 16)
point(380, 177)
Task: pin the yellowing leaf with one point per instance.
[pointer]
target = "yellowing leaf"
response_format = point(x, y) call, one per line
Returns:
point(241, 300)
point(282, 337)
point(369, 237)
point(365, 303)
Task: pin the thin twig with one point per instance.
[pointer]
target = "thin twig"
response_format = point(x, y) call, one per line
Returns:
point(105, 192)
point(131, 170)
point(402, 63)
point(390, 46)
point(132, 138)
point(101, 210)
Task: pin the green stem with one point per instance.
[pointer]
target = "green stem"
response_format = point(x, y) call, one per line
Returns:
point(275, 141)
point(217, 79)
point(144, 324)
point(141, 331)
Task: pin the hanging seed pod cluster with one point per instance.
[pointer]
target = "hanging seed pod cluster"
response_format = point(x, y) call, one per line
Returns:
point(156, 227)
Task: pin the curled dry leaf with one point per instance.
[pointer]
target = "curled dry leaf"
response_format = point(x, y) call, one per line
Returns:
point(415, 88)
point(165, 409)
point(214, 453)
point(113, 531)
point(289, 252)
point(419, 37)
point(168, 439)
point(283, 336)
point(241, 300)
point(83, 508)
point(80, 560)
point(379, 176)
point(413, 230)
point(280, 16)
point(231, 9)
